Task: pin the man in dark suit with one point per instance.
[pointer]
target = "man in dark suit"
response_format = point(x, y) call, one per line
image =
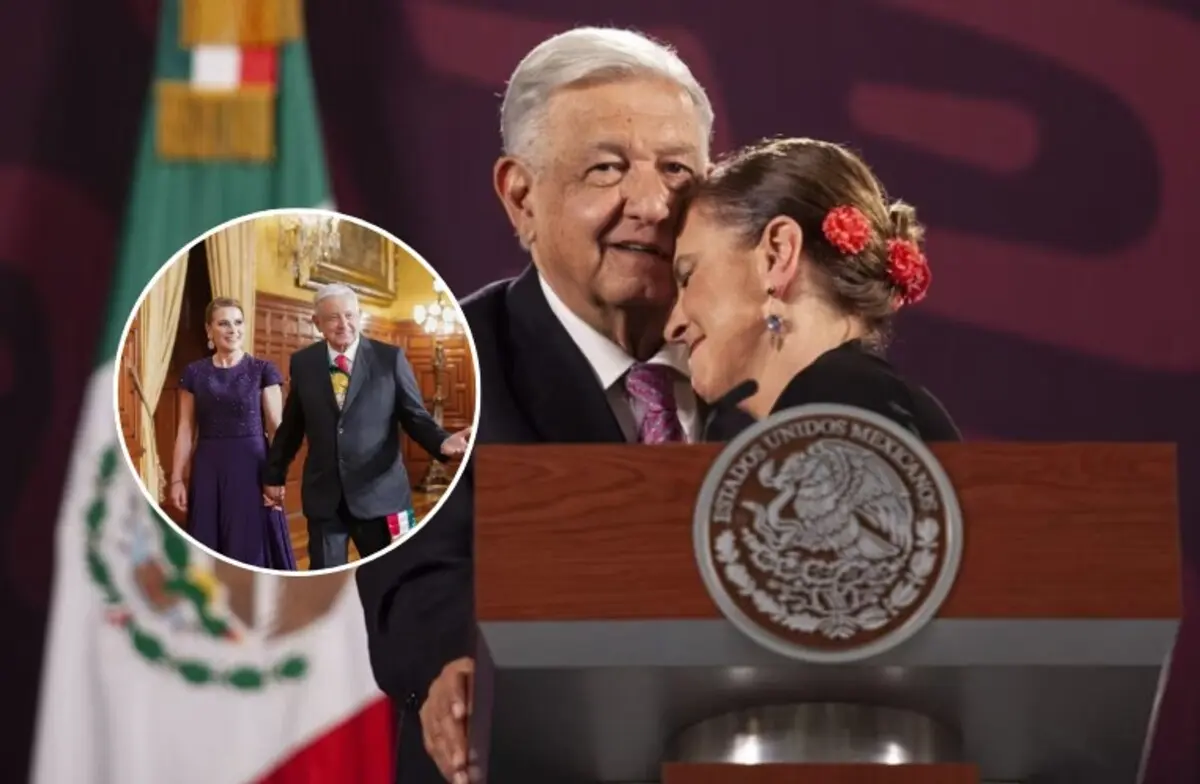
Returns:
point(350, 395)
point(571, 351)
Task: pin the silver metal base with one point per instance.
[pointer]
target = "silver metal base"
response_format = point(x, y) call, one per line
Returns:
point(818, 733)
point(1052, 702)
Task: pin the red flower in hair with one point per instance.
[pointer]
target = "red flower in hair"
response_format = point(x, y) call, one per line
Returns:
point(847, 229)
point(908, 270)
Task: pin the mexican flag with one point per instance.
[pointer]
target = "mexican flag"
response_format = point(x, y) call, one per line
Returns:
point(162, 664)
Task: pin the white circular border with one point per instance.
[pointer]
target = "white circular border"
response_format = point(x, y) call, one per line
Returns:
point(701, 527)
point(429, 517)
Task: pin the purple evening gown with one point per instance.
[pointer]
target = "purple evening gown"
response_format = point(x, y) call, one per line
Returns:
point(225, 506)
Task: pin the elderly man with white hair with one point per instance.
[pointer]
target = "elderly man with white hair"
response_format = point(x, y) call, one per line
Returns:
point(604, 132)
point(347, 395)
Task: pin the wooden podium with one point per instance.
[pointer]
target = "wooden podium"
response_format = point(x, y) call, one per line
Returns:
point(599, 643)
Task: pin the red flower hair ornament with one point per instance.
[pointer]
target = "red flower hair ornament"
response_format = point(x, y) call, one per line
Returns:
point(847, 229)
point(909, 271)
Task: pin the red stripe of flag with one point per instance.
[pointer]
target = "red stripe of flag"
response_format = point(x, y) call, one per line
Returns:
point(260, 66)
point(357, 751)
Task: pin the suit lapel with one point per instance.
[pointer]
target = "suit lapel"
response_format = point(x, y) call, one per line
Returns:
point(551, 378)
point(358, 372)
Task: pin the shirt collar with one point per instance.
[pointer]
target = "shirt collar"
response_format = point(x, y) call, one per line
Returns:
point(608, 360)
point(349, 353)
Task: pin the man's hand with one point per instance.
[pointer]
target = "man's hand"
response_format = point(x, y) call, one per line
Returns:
point(273, 495)
point(456, 445)
point(444, 719)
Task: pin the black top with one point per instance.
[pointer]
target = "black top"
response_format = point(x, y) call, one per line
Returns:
point(851, 375)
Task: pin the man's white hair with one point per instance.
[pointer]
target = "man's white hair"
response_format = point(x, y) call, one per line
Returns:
point(588, 54)
point(334, 290)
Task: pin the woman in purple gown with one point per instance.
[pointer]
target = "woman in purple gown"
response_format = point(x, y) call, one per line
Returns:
point(229, 407)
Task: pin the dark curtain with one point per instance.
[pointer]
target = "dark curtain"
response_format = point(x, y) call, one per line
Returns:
point(73, 76)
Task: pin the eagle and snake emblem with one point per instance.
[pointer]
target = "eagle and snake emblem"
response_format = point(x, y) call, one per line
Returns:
point(180, 609)
point(838, 551)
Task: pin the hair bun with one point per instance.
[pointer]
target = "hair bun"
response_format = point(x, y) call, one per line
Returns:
point(902, 218)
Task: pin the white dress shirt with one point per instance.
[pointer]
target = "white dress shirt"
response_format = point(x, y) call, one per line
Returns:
point(611, 363)
point(349, 353)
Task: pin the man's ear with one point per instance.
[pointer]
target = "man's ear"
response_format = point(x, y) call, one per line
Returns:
point(513, 181)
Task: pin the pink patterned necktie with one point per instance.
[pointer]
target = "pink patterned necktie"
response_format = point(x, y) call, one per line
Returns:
point(343, 363)
point(653, 386)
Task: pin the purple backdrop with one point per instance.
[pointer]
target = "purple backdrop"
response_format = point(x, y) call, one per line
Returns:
point(1047, 145)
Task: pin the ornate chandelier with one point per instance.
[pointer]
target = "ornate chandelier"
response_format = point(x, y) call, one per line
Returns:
point(439, 317)
point(310, 238)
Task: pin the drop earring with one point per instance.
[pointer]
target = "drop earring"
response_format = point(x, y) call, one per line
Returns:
point(774, 324)
point(210, 345)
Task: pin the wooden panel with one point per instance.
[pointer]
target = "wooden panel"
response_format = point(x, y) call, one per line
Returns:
point(281, 328)
point(680, 773)
point(1052, 531)
point(458, 411)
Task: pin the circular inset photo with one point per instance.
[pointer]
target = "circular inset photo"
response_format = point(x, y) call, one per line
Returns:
point(297, 391)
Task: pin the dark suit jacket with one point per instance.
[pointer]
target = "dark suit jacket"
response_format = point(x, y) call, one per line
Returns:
point(419, 598)
point(353, 452)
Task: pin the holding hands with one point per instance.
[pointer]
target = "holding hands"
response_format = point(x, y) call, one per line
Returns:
point(273, 496)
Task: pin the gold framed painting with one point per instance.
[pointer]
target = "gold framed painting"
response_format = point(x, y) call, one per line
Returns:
point(365, 261)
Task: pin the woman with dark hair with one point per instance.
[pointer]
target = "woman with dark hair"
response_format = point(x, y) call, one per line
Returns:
point(790, 265)
point(230, 405)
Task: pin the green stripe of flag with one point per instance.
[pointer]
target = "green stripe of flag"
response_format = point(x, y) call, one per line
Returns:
point(171, 203)
point(171, 60)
